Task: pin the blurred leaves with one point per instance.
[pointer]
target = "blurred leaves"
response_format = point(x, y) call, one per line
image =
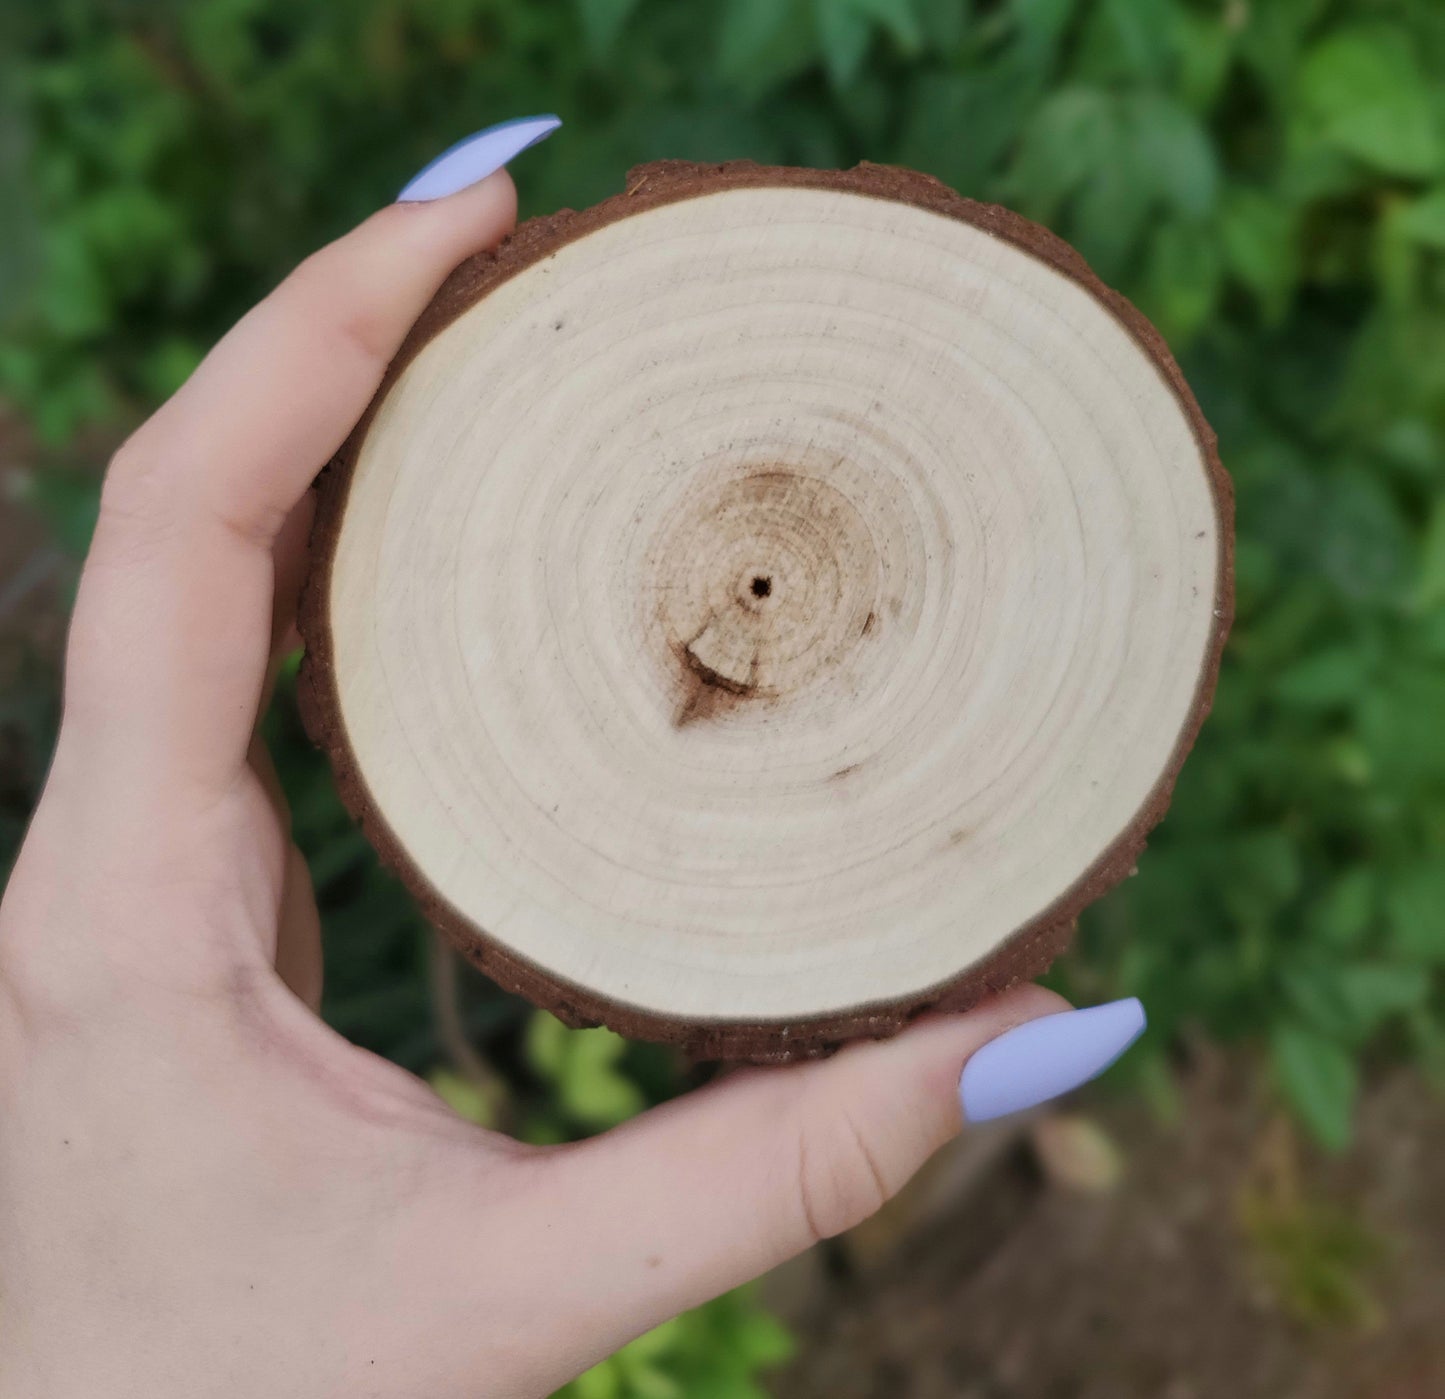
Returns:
point(1266, 179)
point(714, 1352)
point(1318, 1077)
point(1423, 219)
point(464, 1096)
point(1415, 907)
point(584, 1070)
point(846, 29)
point(1259, 239)
point(1114, 161)
point(1364, 87)
point(602, 22)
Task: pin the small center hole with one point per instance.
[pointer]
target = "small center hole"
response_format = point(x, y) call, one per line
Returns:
point(762, 586)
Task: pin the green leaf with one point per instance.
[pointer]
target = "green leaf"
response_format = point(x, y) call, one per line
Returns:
point(1120, 158)
point(1073, 133)
point(1043, 24)
point(1430, 589)
point(1350, 1001)
point(844, 34)
point(1326, 680)
point(603, 22)
point(1413, 445)
point(1264, 873)
point(1375, 991)
point(762, 45)
point(1362, 543)
point(644, 1382)
point(1415, 906)
point(943, 23)
point(1399, 723)
point(846, 27)
point(896, 18)
point(652, 1345)
point(73, 295)
point(1172, 152)
point(1365, 87)
point(1203, 45)
point(1183, 279)
point(602, 1381)
point(1315, 991)
point(168, 365)
point(543, 1130)
point(1343, 915)
point(1110, 214)
point(594, 1049)
point(989, 103)
point(748, 29)
point(1423, 219)
point(1258, 231)
point(1122, 42)
point(1273, 36)
point(463, 1096)
point(1427, 1037)
point(546, 1043)
point(1396, 259)
point(1319, 1079)
point(763, 1341)
point(1315, 172)
point(720, 1385)
point(592, 1089)
point(601, 1100)
point(68, 501)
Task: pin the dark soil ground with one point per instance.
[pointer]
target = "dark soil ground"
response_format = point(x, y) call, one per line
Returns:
point(1186, 1280)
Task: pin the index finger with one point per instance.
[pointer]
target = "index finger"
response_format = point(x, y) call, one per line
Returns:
point(169, 641)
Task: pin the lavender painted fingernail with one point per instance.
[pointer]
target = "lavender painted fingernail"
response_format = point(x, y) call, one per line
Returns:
point(476, 156)
point(1044, 1058)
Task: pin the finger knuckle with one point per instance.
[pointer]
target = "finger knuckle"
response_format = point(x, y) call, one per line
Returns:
point(43, 993)
point(327, 281)
point(840, 1180)
point(137, 505)
point(131, 470)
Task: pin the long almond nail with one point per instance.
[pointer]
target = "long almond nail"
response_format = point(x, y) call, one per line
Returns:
point(476, 156)
point(1044, 1058)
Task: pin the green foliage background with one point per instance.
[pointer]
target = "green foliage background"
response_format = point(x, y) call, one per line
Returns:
point(1265, 177)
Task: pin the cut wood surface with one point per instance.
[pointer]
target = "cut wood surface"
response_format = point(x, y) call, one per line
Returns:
point(768, 604)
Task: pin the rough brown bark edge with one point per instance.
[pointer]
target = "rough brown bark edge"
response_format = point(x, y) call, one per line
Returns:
point(1032, 948)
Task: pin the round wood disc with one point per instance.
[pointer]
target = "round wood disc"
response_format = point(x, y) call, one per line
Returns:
point(768, 604)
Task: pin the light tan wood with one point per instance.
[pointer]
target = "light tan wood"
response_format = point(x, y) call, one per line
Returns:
point(766, 604)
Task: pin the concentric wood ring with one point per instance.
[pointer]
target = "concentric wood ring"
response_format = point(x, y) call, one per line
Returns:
point(768, 604)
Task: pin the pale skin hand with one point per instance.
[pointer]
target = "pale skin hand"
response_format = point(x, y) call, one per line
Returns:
point(203, 1189)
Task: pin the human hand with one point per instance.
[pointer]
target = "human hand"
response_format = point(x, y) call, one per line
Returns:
point(206, 1191)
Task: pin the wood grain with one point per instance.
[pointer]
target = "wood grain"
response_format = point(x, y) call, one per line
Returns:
point(768, 604)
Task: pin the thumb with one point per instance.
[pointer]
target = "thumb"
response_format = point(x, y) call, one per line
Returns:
point(713, 1189)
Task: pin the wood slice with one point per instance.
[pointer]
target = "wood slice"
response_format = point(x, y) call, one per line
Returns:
point(768, 604)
